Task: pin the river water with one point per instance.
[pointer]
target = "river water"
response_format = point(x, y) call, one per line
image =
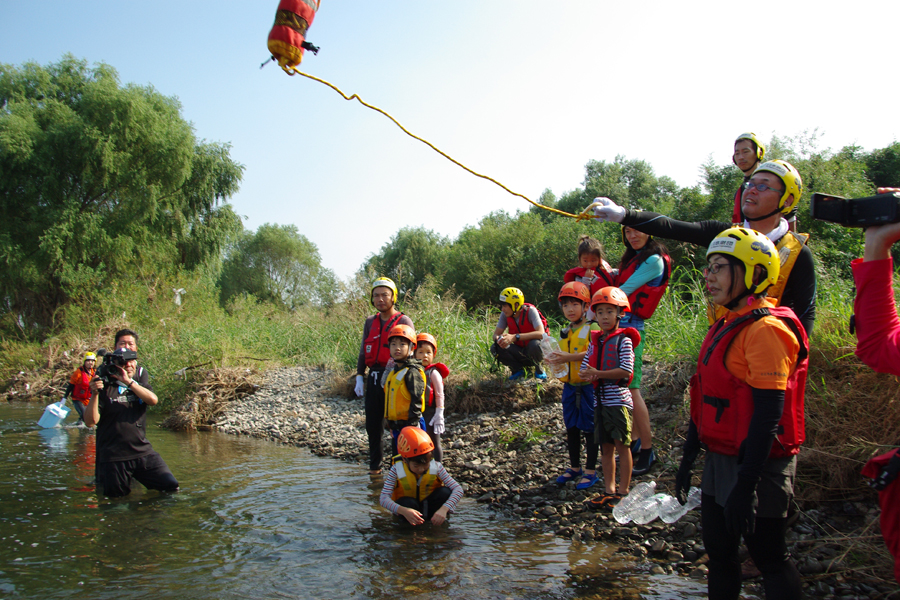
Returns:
point(255, 519)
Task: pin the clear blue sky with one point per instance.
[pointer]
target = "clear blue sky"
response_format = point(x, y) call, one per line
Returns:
point(524, 91)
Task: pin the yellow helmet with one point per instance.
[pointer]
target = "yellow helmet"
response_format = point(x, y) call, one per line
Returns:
point(751, 248)
point(514, 297)
point(384, 282)
point(791, 179)
point(760, 149)
point(90, 356)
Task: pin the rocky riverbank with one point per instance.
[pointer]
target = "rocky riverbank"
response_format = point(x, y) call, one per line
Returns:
point(509, 460)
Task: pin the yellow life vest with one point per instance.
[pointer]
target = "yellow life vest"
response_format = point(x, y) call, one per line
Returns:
point(397, 397)
point(576, 341)
point(789, 247)
point(410, 487)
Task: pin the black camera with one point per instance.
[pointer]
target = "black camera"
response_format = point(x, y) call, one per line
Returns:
point(856, 212)
point(111, 362)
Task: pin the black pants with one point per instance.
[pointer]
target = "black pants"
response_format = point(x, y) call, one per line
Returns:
point(768, 550)
point(435, 437)
point(428, 506)
point(517, 358)
point(374, 404)
point(115, 478)
point(573, 440)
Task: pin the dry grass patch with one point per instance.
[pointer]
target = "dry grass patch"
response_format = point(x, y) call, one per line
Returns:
point(210, 395)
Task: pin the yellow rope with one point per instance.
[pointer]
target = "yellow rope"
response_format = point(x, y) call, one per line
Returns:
point(579, 217)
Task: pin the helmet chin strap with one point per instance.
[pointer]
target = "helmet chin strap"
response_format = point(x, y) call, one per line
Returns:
point(762, 218)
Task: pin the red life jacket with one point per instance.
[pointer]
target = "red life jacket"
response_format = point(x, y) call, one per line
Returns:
point(524, 325)
point(722, 404)
point(429, 393)
point(604, 278)
point(605, 356)
point(377, 352)
point(645, 299)
point(82, 391)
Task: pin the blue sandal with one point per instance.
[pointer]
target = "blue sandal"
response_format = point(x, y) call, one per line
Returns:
point(591, 479)
point(570, 475)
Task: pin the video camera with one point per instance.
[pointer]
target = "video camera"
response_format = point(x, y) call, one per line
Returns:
point(111, 361)
point(856, 212)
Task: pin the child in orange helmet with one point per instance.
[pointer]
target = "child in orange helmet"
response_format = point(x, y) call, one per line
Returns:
point(404, 384)
point(426, 349)
point(417, 487)
point(609, 364)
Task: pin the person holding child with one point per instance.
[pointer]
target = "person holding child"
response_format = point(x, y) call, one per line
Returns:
point(418, 488)
point(426, 349)
point(374, 355)
point(404, 385)
point(644, 276)
point(517, 338)
point(577, 395)
point(747, 410)
point(592, 270)
point(609, 364)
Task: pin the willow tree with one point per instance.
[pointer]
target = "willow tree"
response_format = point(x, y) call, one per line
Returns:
point(100, 180)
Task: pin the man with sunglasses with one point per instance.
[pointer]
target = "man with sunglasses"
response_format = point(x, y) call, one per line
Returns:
point(772, 192)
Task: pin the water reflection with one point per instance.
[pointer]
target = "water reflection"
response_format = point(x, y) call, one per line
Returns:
point(259, 520)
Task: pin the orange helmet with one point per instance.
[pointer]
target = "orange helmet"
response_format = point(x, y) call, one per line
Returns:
point(610, 295)
point(575, 289)
point(427, 337)
point(413, 442)
point(403, 331)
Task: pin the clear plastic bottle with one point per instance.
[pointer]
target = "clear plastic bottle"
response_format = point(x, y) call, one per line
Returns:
point(647, 510)
point(548, 345)
point(671, 509)
point(623, 510)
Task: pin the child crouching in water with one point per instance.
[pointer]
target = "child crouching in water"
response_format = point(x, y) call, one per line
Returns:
point(577, 395)
point(417, 487)
point(609, 363)
point(404, 384)
point(426, 349)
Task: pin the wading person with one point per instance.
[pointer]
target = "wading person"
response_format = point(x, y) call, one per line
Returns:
point(79, 386)
point(118, 408)
point(374, 354)
point(747, 409)
point(773, 192)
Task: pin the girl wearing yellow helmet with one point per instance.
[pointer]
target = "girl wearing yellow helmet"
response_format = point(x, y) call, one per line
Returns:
point(79, 384)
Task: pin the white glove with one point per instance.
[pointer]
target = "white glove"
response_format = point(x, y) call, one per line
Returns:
point(359, 386)
point(437, 421)
point(608, 211)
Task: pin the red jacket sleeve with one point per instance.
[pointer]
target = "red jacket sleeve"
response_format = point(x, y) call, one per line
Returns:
point(877, 325)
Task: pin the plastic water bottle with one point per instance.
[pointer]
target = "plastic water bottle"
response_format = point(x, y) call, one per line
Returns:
point(671, 509)
point(647, 510)
point(624, 509)
point(549, 345)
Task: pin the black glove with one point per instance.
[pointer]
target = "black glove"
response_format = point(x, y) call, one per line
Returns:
point(683, 480)
point(740, 508)
point(691, 450)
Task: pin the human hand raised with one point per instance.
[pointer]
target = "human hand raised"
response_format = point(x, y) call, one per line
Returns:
point(607, 210)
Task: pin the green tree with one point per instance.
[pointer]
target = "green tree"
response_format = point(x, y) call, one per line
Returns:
point(884, 166)
point(412, 255)
point(100, 181)
point(277, 264)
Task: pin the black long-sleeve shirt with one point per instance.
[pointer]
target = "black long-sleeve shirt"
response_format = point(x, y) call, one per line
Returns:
point(799, 290)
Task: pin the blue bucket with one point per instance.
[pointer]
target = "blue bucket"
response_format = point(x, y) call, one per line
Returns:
point(54, 415)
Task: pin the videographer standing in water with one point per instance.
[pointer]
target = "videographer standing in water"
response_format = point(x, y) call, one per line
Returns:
point(118, 407)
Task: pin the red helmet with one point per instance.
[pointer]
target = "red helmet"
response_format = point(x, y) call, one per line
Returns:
point(427, 337)
point(413, 442)
point(610, 295)
point(403, 331)
point(575, 289)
